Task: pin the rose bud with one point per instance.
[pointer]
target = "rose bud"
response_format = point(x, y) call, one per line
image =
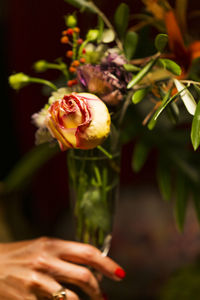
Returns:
point(78, 120)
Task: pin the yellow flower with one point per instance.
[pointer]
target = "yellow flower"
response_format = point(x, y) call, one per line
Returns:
point(78, 120)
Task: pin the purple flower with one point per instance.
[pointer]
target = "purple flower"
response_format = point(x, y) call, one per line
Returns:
point(108, 80)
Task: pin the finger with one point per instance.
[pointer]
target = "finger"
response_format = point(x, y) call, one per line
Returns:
point(9, 292)
point(89, 255)
point(80, 276)
point(45, 286)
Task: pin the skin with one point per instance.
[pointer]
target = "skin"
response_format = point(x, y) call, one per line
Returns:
point(35, 269)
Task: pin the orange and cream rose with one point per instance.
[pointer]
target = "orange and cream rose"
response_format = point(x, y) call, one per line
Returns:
point(78, 120)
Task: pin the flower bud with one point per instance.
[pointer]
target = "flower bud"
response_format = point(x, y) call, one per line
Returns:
point(18, 80)
point(92, 35)
point(70, 21)
point(78, 120)
point(41, 66)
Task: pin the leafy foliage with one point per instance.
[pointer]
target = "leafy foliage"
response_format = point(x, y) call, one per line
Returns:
point(130, 44)
point(195, 132)
point(161, 41)
point(121, 19)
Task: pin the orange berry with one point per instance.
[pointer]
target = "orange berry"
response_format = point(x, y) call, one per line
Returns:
point(84, 51)
point(76, 29)
point(69, 53)
point(72, 82)
point(79, 41)
point(70, 31)
point(75, 63)
point(64, 32)
point(72, 69)
point(82, 60)
point(69, 83)
point(64, 40)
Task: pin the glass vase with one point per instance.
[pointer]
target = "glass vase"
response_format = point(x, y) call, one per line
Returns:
point(94, 186)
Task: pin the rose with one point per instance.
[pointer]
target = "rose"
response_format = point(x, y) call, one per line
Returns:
point(78, 120)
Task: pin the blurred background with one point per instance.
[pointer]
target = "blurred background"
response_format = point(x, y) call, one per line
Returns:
point(161, 263)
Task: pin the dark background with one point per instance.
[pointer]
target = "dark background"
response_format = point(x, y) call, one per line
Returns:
point(146, 241)
point(31, 30)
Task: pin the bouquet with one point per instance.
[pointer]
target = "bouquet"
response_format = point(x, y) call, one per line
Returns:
point(108, 95)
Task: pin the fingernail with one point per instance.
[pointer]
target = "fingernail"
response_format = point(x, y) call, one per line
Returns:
point(120, 273)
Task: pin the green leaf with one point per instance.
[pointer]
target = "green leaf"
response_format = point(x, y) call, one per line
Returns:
point(196, 87)
point(171, 66)
point(161, 41)
point(121, 19)
point(186, 97)
point(94, 209)
point(140, 155)
point(195, 132)
point(131, 68)
point(181, 201)
point(139, 95)
point(130, 44)
point(142, 73)
point(82, 4)
point(164, 179)
point(173, 112)
point(165, 102)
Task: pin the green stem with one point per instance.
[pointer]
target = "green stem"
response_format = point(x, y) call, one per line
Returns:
point(74, 47)
point(43, 81)
point(143, 72)
point(124, 107)
point(81, 48)
point(60, 67)
point(105, 152)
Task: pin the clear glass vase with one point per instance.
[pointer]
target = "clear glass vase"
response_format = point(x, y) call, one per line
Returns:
point(94, 186)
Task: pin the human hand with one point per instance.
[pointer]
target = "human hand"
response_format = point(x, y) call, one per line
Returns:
point(36, 269)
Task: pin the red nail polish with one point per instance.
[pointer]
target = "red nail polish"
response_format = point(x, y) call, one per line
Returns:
point(120, 273)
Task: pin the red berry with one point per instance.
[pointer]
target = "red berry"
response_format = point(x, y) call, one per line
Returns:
point(64, 32)
point(64, 40)
point(79, 41)
point(69, 83)
point(69, 53)
point(82, 60)
point(72, 69)
point(70, 31)
point(75, 63)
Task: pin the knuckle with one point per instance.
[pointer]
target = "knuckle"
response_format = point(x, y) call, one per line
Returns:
point(46, 243)
point(43, 241)
point(39, 261)
point(90, 252)
point(85, 276)
point(33, 281)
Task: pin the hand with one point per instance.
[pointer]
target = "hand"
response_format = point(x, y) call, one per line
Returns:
point(35, 269)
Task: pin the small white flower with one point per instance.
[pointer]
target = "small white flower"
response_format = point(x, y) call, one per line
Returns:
point(59, 94)
point(39, 118)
